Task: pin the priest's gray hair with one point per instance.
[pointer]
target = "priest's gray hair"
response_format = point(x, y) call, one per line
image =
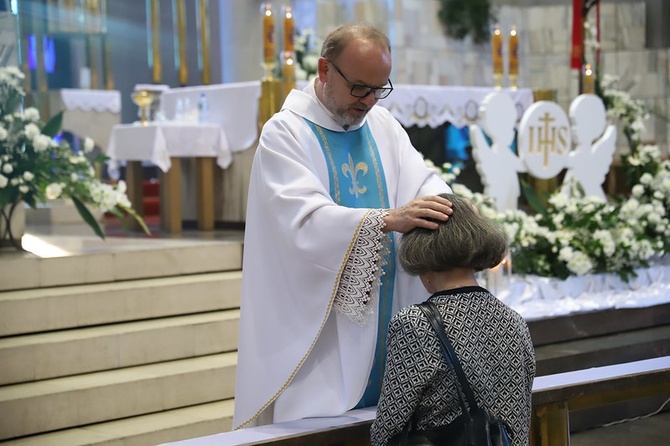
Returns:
point(467, 240)
point(338, 39)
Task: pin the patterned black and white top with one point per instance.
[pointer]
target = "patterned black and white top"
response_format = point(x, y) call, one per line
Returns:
point(496, 352)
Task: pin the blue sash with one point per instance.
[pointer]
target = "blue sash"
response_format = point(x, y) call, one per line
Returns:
point(357, 181)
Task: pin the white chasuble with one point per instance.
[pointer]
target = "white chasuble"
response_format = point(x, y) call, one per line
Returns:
point(307, 335)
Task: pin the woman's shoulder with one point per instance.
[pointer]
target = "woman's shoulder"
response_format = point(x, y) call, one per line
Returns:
point(409, 316)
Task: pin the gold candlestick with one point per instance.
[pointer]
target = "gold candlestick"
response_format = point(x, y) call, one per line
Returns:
point(496, 53)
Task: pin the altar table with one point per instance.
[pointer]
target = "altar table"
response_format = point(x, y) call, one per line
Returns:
point(164, 144)
point(87, 113)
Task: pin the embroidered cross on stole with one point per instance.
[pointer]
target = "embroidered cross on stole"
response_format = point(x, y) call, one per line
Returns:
point(357, 181)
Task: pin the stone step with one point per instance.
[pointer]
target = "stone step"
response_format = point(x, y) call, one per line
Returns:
point(152, 429)
point(73, 352)
point(75, 260)
point(57, 308)
point(64, 403)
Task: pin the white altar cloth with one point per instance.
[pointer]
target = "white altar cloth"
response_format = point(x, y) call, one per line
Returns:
point(433, 105)
point(540, 297)
point(234, 106)
point(158, 142)
point(87, 113)
point(91, 100)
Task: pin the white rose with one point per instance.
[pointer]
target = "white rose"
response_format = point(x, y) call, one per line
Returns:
point(638, 190)
point(3, 181)
point(24, 189)
point(53, 191)
point(7, 168)
point(41, 143)
point(88, 145)
point(121, 187)
point(28, 176)
point(31, 114)
point(31, 131)
point(3, 133)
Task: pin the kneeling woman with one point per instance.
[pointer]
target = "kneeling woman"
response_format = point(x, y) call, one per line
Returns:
point(491, 340)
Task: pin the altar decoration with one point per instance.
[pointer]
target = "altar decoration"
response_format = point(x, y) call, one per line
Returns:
point(574, 233)
point(36, 166)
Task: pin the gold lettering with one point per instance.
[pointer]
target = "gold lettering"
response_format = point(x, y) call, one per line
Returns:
point(563, 139)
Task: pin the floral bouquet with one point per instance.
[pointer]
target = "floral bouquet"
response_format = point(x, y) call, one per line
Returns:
point(36, 167)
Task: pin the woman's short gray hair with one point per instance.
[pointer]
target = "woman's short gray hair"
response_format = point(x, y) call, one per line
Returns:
point(467, 240)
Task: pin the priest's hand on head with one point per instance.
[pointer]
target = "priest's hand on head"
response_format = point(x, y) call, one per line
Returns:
point(423, 212)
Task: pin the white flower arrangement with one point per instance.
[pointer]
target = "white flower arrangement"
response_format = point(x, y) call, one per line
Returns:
point(573, 234)
point(307, 54)
point(36, 167)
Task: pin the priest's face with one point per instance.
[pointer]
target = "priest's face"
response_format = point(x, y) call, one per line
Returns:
point(362, 66)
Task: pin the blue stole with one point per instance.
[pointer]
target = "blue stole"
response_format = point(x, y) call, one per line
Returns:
point(357, 181)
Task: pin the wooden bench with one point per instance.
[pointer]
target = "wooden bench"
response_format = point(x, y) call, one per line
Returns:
point(554, 397)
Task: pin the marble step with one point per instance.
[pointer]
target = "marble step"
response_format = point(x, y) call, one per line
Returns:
point(58, 308)
point(78, 260)
point(73, 352)
point(162, 427)
point(72, 402)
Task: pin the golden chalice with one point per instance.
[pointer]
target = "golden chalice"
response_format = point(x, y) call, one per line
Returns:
point(143, 99)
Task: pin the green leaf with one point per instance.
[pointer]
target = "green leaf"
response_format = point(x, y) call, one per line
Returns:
point(533, 198)
point(88, 217)
point(52, 127)
point(137, 217)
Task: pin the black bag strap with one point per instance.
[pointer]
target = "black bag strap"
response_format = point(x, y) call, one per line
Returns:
point(436, 321)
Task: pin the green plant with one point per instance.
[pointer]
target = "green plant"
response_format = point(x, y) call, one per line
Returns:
point(35, 165)
point(460, 18)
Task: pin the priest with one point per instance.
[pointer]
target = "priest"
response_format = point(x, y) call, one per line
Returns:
point(334, 181)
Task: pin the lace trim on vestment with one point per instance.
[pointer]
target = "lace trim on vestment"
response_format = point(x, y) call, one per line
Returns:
point(358, 291)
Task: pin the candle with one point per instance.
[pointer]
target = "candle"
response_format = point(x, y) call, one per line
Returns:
point(513, 70)
point(513, 52)
point(288, 73)
point(496, 52)
point(268, 34)
point(588, 80)
point(289, 29)
point(496, 48)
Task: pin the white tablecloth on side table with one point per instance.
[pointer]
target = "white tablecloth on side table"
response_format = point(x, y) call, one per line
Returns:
point(164, 144)
point(158, 142)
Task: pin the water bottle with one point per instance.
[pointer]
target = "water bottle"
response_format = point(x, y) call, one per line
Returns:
point(203, 109)
point(179, 110)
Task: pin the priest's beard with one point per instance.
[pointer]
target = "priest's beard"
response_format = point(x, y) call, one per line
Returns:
point(341, 114)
